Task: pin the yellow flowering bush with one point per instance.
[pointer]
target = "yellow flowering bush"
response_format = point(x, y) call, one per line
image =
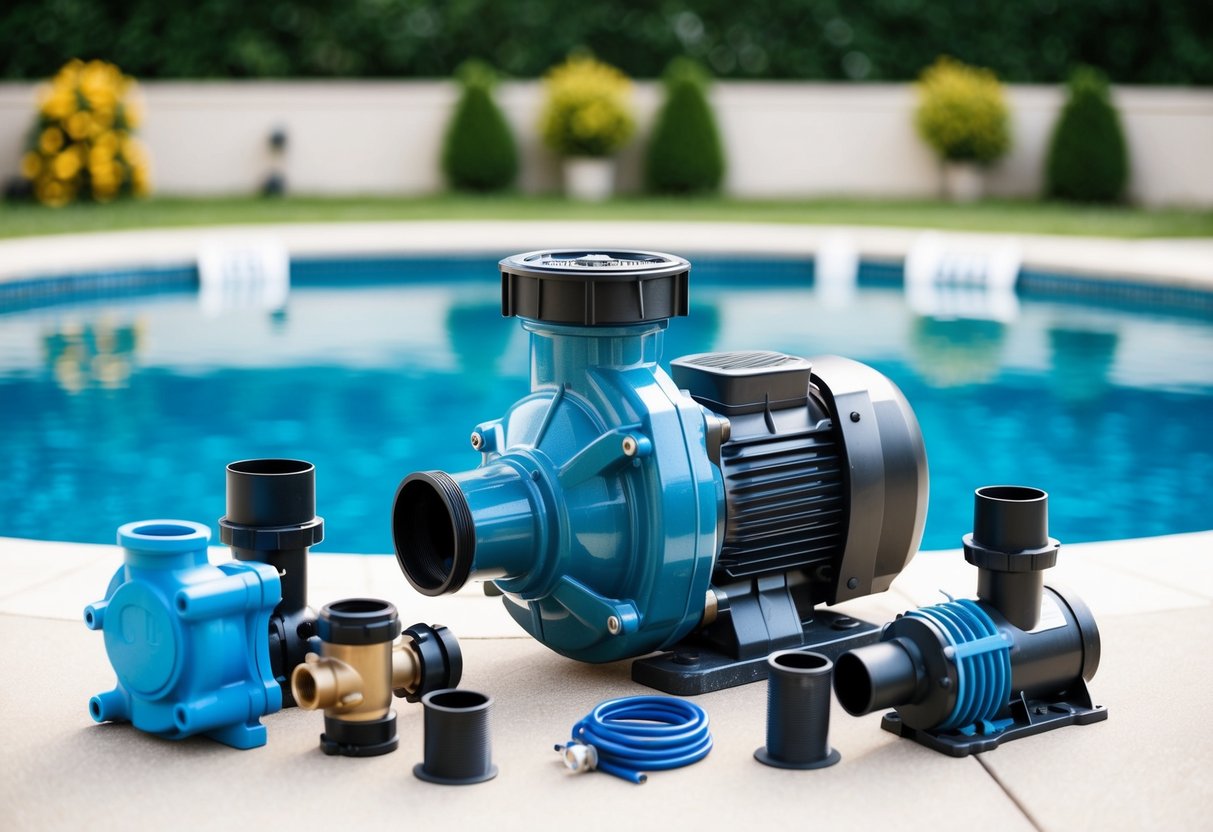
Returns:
point(82, 144)
point(587, 111)
point(961, 112)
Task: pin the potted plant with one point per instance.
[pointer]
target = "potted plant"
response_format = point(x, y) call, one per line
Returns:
point(586, 119)
point(963, 116)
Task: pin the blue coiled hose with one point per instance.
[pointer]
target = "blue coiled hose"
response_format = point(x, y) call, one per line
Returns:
point(629, 736)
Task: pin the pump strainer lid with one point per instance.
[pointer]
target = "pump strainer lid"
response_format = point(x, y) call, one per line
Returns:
point(594, 287)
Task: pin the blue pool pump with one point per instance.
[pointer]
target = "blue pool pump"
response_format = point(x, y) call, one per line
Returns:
point(966, 676)
point(621, 510)
point(189, 641)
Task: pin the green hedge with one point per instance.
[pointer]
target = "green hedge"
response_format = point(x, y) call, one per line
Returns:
point(1023, 40)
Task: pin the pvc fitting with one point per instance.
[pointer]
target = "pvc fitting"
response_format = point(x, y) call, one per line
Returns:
point(798, 712)
point(271, 518)
point(457, 748)
point(1011, 548)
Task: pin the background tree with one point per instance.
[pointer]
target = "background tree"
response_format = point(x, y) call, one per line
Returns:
point(479, 152)
point(1087, 160)
point(685, 153)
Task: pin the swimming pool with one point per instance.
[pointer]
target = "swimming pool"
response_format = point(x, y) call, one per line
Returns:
point(128, 405)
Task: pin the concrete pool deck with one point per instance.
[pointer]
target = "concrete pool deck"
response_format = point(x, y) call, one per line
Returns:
point(1146, 767)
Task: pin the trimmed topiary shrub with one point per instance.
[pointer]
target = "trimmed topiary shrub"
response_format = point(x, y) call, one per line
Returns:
point(684, 153)
point(587, 109)
point(479, 152)
point(1087, 160)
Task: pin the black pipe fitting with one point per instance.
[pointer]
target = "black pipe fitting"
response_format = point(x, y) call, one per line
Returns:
point(439, 661)
point(965, 676)
point(271, 518)
point(798, 711)
point(1011, 548)
point(457, 750)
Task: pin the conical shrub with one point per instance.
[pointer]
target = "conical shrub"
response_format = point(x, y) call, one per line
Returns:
point(685, 153)
point(479, 152)
point(1087, 160)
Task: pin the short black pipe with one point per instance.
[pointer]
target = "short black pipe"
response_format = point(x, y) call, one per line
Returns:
point(798, 711)
point(271, 492)
point(271, 518)
point(1011, 518)
point(883, 675)
point(457, 747)
point(1017, 595)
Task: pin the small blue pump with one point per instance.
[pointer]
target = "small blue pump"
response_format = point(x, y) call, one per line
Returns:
point(189, 641)
point(622, 510)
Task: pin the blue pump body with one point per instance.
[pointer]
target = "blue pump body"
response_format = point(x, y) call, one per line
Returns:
point(188, 640)
point(599, 479)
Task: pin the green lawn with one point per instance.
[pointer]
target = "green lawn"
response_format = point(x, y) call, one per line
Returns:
point(21, 219)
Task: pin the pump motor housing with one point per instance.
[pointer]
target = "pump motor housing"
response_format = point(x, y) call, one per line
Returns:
point(707, 511)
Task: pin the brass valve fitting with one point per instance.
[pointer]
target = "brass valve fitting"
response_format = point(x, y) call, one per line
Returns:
point(361, 665)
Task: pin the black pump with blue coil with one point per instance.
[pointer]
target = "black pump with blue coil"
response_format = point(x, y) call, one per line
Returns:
point(966, 676)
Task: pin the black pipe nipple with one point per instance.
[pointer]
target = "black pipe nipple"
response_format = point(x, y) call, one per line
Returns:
point(457, 746)
point(798, 712)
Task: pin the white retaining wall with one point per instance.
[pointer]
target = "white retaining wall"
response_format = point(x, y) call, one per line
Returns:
point(782, 139)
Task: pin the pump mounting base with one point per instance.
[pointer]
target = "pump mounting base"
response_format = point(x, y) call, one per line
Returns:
point(693, 667)
point(1028, 717)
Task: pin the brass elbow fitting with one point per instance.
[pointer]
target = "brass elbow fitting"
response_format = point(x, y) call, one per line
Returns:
point(361, 665)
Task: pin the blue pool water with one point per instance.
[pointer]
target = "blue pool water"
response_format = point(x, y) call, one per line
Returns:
point(129, 406)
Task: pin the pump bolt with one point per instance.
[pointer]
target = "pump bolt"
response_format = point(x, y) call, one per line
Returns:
point(614, 625)
point(629, 446)
point(477, 440)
